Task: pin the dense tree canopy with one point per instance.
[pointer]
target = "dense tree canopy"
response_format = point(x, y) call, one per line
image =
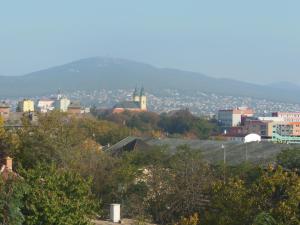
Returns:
point(11, 194)
point(276, 193)
point(290, 159)
point(64, 172)
point(56, 196)
point(180, 122)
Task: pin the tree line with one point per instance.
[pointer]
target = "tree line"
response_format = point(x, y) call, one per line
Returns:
point(179, 123)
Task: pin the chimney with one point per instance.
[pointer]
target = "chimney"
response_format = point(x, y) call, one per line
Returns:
point(9, 162)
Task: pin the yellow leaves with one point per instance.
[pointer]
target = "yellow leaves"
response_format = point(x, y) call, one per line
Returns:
point(91, 145)
point(2, 130)
point(276, 192)
point(156, 133)
point(192, 220)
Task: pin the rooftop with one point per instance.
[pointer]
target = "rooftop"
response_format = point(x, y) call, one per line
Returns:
point(4, 105)
point(74, 105)
point(127, 105)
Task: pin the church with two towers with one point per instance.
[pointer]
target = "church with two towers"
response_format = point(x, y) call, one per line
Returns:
point(138, 103)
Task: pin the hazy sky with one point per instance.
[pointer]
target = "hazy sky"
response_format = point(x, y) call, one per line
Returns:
point(257, 40)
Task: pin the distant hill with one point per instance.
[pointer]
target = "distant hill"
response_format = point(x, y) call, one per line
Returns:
point(112, 73)
point(284, 85)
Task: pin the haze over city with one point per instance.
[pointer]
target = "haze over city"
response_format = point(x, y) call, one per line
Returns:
point(255, 41)
point(155, 112)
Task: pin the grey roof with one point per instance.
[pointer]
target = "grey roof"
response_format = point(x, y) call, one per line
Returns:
point(129, 143)
point(211, 150)
point(74, 105)
point(128, 105)
point(4, 105)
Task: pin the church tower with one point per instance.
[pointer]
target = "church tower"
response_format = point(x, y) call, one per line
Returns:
point(59, 94)
point(143, 100)
point(135, 96)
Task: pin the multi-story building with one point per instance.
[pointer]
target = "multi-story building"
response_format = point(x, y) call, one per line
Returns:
point(257, 127)
point(45, 105)
point(26, 105)
point(287, 129)
point(287, 116)
point(287, 132)
point(283, 129)
point(252, 126)
point(296, 128)
point(233, 117)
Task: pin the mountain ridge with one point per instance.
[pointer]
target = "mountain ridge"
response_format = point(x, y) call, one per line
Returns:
point(115, 73)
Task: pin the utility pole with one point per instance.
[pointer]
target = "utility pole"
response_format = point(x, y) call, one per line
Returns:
point(224, 162)
point(246, 153)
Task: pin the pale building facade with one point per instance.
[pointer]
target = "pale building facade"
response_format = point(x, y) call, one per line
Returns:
point(143, 100)
point(26, 105)
point(62, 104)
point(45, 105)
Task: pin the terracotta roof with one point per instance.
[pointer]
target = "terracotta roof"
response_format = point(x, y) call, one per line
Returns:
point(294, 123)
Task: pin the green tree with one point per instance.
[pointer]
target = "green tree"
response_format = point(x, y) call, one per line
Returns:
point(57, 196)
point(230, 203)
point(289, 159)
point(276, 192)
point(11, 194)
point(185, 123)
point(2, 130)
point(104, 132)
point(264, 219)
point(179, 187)
point(9, 141)
point(52, 139)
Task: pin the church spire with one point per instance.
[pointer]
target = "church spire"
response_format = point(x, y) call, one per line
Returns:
point(135, 96)
point(142, 93)
point(135, 93)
